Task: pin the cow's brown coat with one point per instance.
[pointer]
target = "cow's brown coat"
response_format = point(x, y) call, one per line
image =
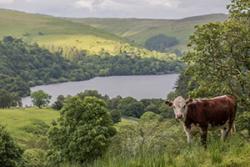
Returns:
point(215, 112)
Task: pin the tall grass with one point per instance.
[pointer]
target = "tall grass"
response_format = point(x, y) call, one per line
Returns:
point(235, 152)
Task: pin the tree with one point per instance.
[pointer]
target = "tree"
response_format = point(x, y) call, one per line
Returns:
point(116, 116)
point(218, 60)
point(40, 98)
point(58, 105)
point(8, 99)
point(10, 153)
point(82, 132)
point(160, 42)
point(131, 107)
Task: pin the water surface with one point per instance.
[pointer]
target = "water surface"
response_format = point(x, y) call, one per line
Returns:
point(139, 87)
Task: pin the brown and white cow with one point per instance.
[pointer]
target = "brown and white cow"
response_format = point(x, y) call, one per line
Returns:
point(204, 113)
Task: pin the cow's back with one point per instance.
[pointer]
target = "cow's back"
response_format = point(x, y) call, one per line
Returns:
point(215, 111)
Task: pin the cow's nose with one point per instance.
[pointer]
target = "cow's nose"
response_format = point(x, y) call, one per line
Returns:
point(179, 116)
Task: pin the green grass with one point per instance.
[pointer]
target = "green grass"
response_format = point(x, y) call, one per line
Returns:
point(139, 30)
point(233, 153)
point(17, 120)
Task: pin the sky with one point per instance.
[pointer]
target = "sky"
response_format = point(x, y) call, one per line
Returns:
point(166, 9)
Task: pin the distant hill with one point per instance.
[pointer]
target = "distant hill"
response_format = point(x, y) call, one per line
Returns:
point(53, 32)
point(99, 35)
point(139, 30)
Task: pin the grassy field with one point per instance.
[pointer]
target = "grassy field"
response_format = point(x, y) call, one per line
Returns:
point(139, 30)
point(23, 124)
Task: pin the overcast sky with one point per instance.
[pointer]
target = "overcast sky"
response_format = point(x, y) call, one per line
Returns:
point(119, 8)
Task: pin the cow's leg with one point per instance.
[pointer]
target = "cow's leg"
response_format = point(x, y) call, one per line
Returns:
point(228, 129)
point(233, 130)
point(188, 134)
point(204, 136)
point(223, 133)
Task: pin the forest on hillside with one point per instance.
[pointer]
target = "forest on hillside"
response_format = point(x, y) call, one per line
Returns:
point(24, 65)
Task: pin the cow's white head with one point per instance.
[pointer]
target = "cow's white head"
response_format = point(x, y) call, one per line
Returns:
point(180, 107)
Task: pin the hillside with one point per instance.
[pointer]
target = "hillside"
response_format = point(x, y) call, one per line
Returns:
point(55, 33)
point(139, 30)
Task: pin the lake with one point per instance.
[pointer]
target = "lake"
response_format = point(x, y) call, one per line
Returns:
point(139, 87)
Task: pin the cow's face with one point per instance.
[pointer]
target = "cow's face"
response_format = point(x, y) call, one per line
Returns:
point(180, 107)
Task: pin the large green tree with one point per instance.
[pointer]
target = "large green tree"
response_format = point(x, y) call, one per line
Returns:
point(218, 60)
point(83, 131)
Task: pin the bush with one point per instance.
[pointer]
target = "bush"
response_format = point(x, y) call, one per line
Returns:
point(83, 131)
point(34, 158)
point(58, 105)
point(10, 153)
point(116, 116)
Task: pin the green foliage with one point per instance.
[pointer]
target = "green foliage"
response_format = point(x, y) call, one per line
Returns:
point(243, 123)
point(40, 98)
point(125, 64)
point(8, 99)
point(160, 43)
point(10, 152)
point(239, 9)
point(116, 116)
point(82, 133)
point(34, 158)
point(43, 67)
point(37, 127)
point(131, 107)
point(219, 59)
point(58, 104)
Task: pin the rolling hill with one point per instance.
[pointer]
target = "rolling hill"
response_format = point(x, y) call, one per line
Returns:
point(53, 33)
point(139, 30)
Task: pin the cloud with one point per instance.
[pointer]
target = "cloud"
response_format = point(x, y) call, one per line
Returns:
point(114, 4)
point(167, 3)
point(6, 1)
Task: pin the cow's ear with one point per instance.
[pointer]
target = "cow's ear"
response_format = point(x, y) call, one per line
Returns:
point(189, 100)
point(169, 103)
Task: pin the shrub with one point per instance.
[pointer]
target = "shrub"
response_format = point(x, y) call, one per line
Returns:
point(83, 131)
point(10, 153)
point(34, 158)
